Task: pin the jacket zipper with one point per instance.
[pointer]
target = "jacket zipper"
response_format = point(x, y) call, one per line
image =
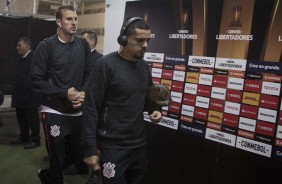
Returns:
point(105, 116)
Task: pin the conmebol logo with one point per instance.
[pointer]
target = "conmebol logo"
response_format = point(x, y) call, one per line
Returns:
point(170, 123)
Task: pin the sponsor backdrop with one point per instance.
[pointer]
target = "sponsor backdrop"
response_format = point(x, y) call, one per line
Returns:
point(221, 59)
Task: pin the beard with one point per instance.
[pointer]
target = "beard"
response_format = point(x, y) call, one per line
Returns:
point(140, 55)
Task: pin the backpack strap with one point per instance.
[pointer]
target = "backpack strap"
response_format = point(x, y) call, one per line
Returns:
point(49, 58)
point(49, 53)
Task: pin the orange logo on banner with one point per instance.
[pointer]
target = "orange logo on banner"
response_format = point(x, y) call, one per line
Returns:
point(206, 70)
point(180, 67)
point(186, 118)
point(192, 77)
point(215, 116)
point(271, 78)
point(278, 142)
point(246, 134)
point(157, 65)
point(251, 98)
point(214, 126)
point(166, 83)
point(236, 74)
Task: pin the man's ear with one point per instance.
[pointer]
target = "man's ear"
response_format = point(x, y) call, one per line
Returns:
point(58, 23)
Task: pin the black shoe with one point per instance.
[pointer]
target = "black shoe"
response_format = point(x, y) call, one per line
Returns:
point(18, 141)
point(46, 158)
point(31, 145)
point(72, 170)
point(42, 174)
point(94, 178)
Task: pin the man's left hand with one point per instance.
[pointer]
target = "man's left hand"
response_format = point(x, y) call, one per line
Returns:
point(156, 116)
point(79, 99)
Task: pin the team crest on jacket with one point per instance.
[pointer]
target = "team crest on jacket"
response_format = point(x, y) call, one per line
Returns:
point(109, 170)
point(55, 130)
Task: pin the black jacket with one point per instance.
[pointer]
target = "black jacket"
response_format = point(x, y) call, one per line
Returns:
point(58, 66)
point(22, 95)
point(1, 97)
point(114, 104)
point(95, 56)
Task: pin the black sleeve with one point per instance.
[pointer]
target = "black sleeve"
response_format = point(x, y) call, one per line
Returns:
point(94, 97)
point(39, 70)
point(88, 60)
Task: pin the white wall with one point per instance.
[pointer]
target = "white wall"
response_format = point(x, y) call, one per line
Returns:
point(114, 15)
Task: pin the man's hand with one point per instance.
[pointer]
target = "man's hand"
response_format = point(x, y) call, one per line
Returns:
point(93, 162)
point(72, 92)
point(156, 116)
point(79, 99)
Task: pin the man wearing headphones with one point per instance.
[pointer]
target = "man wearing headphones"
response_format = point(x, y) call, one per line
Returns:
point(113, 122)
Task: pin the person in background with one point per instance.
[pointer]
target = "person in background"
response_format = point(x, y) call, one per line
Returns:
point(24, 99)
point(113, 133)
point(80, 168)
point(91, 38)
point(59, 72)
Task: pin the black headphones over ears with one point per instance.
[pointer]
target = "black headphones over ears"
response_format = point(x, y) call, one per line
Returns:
point(122, 38)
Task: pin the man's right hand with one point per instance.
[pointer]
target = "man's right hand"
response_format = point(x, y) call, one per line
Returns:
point(93, 162)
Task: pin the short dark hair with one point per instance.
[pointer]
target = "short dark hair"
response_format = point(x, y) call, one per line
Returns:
point(139, 24)
point(59, 13)
point(90, 34)
point(26, 40)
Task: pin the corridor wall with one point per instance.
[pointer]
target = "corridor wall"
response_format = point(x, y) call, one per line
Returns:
point(12, 29)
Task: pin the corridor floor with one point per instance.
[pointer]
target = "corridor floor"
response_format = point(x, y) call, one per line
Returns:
point(18, 165)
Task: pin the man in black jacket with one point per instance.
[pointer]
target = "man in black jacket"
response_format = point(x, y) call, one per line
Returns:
point(24, 99)
point(59, 72)
point(113, 120)
point(91, 38)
